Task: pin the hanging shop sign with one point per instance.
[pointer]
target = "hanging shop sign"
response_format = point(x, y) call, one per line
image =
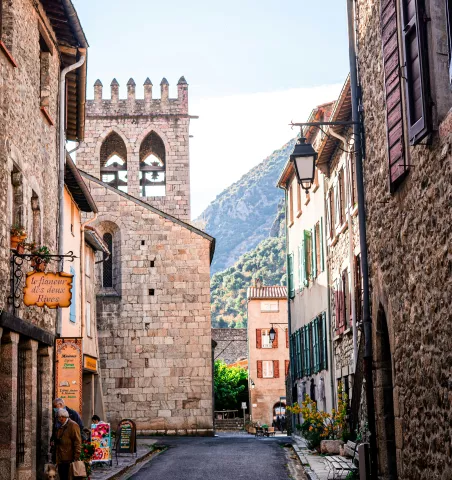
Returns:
point(101, 439)
point(127, 437)
point(52, 290)
point(90, 363)
point(68, 378)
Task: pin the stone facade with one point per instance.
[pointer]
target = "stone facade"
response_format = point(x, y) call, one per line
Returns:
point(231, 344)
point(409, 234)
point(30, 63)
point(157, 126)
point(153, 299)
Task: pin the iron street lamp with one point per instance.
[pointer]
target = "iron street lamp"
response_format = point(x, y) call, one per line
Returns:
point(272, 334)
point(252, 383)
point(304, 157)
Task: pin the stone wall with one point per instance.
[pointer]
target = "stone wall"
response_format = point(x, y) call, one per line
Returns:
point(154, 325)
point(231, 344)
point(133, 119)
point(409, 236)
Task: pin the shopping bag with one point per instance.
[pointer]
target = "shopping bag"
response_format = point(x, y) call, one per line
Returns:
point(78, 469)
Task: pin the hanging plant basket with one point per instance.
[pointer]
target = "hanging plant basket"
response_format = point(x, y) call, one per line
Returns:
point(17, 240)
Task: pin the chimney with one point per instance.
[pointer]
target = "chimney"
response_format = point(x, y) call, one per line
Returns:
point(114, 90)
point(98, 91)
point(164, 90)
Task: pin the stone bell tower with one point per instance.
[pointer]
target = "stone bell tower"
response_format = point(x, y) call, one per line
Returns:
point(141, 146)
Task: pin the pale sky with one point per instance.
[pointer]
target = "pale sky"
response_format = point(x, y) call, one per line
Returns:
point(252, 67)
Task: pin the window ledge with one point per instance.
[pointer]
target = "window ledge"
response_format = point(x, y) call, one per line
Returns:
point(47, 116)
point(354, 210)
point(290, 223)
point(298, 213)
point(7, 54)
point(334, 240)
point(343, 228)
point(347, 331)
point(316, 187)
point(107, 292)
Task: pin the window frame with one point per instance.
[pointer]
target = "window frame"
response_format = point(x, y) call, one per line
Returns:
point(264, 370)
point(265, 334)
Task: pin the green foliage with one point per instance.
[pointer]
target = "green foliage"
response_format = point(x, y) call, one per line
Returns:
point(228, 289)
point(229, 383)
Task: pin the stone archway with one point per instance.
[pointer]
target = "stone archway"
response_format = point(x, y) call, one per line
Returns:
point(384, 396)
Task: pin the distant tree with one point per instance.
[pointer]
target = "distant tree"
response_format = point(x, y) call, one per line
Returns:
point(222, 323)
point(229, 383)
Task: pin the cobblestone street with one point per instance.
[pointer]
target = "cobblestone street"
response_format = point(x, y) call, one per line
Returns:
point(226, 457)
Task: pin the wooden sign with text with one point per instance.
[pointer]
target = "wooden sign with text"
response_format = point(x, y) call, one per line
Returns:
point(52, 290)
point(68, 372)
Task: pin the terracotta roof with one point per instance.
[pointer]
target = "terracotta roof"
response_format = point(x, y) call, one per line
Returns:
point(75, 184)
point(267, 292)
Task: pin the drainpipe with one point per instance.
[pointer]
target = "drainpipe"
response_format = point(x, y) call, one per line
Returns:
point(350, 257)
point(62, 163)
point(82, 270)
point(367, 321)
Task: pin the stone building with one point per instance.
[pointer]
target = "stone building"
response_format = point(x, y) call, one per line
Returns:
point(268, 361)
point(231, 344)
point(308, 287)
point(153, 299)
point(336, 162)
point(404, 60)
point(37, 39)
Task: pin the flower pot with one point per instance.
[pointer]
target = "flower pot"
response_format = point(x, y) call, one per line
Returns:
point(41, 267)
point(15, 240)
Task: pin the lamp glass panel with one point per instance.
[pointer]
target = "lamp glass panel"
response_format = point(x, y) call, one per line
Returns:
point(305, 167)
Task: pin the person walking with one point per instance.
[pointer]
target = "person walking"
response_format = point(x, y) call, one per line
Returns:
point(73, 415)
point(68, 443)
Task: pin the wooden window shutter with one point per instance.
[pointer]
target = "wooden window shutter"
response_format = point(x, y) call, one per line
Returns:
point(258, 338)
point(414, 42)
point(299, 354)
point(306, 258)
point(286, 367)
point(275, 368)
point(287, 338)
point(393, 94)
point(314, 254)
point(328, 215)
point(259, 369)
point(275, 341)
point(292, 355)
point(337, 205)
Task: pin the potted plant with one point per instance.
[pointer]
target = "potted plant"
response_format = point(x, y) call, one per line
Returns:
point(40, 259)
point(18, 235)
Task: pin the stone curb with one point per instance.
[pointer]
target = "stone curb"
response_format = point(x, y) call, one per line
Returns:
point(144, 459)
point(304, 462)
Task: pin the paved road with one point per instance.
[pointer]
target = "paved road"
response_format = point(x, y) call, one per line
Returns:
point(227, 457)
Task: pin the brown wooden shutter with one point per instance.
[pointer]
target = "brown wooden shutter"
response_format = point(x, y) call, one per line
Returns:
point(286, 367)
point(393, 96)
point(258, 338)
point(414, 43)
point(287, 338)
point(275, 368)
point(275, 341)
point(259, 369)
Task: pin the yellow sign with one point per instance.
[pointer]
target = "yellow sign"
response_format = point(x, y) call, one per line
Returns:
point(68, 379)
point(50, 289)
point(90, 363)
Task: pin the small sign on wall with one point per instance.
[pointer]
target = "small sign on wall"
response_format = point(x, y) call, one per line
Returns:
point(52, 290)
point(68, 378)
point(90, 363)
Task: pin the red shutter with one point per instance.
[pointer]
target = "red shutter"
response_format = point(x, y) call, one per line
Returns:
point(258, 338)
point(275, 341)
point(275, 368)
point(287, 338)
point(259, 369)
point(417, 82)
point(394, 118)
point(286, 367)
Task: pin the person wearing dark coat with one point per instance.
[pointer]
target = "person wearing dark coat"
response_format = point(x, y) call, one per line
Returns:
point(73, 415)
point(68, 443)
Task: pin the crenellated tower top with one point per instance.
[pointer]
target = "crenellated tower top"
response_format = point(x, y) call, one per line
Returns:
point(137, 106)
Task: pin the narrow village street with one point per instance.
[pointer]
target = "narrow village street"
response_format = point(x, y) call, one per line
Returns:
point(228, 456)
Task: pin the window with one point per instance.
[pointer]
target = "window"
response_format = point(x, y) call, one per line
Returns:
point(266, 343)
point(113, 162)
point(152, 166)
point(107, 276)
point(353, 195)
point(332, 212)
point(337, 206)
point(267, 368)
point(286, 367)
point(36, 219)
point(17, 200)
point(414, 42)
point(340, 299)
point(308, 257)
point(88, 318)
point(88, 253)
point(270, 306)
point(72, 308)
point(318, 247)
point(342, 200)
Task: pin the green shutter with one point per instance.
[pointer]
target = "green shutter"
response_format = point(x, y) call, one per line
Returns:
point(315, 344)
point(324, 342)
point(305, 257)
point(314, 256)
point(307, 350)
point(300, 267)
point(290, 284)
point(322, 265)
point(299, 372)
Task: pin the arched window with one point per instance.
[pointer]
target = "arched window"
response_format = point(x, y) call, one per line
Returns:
point(107, 278)
point(152, 173)
point(113, 162)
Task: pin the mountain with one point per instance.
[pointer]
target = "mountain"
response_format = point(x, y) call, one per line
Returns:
point(266, 261)
point(243, 214)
